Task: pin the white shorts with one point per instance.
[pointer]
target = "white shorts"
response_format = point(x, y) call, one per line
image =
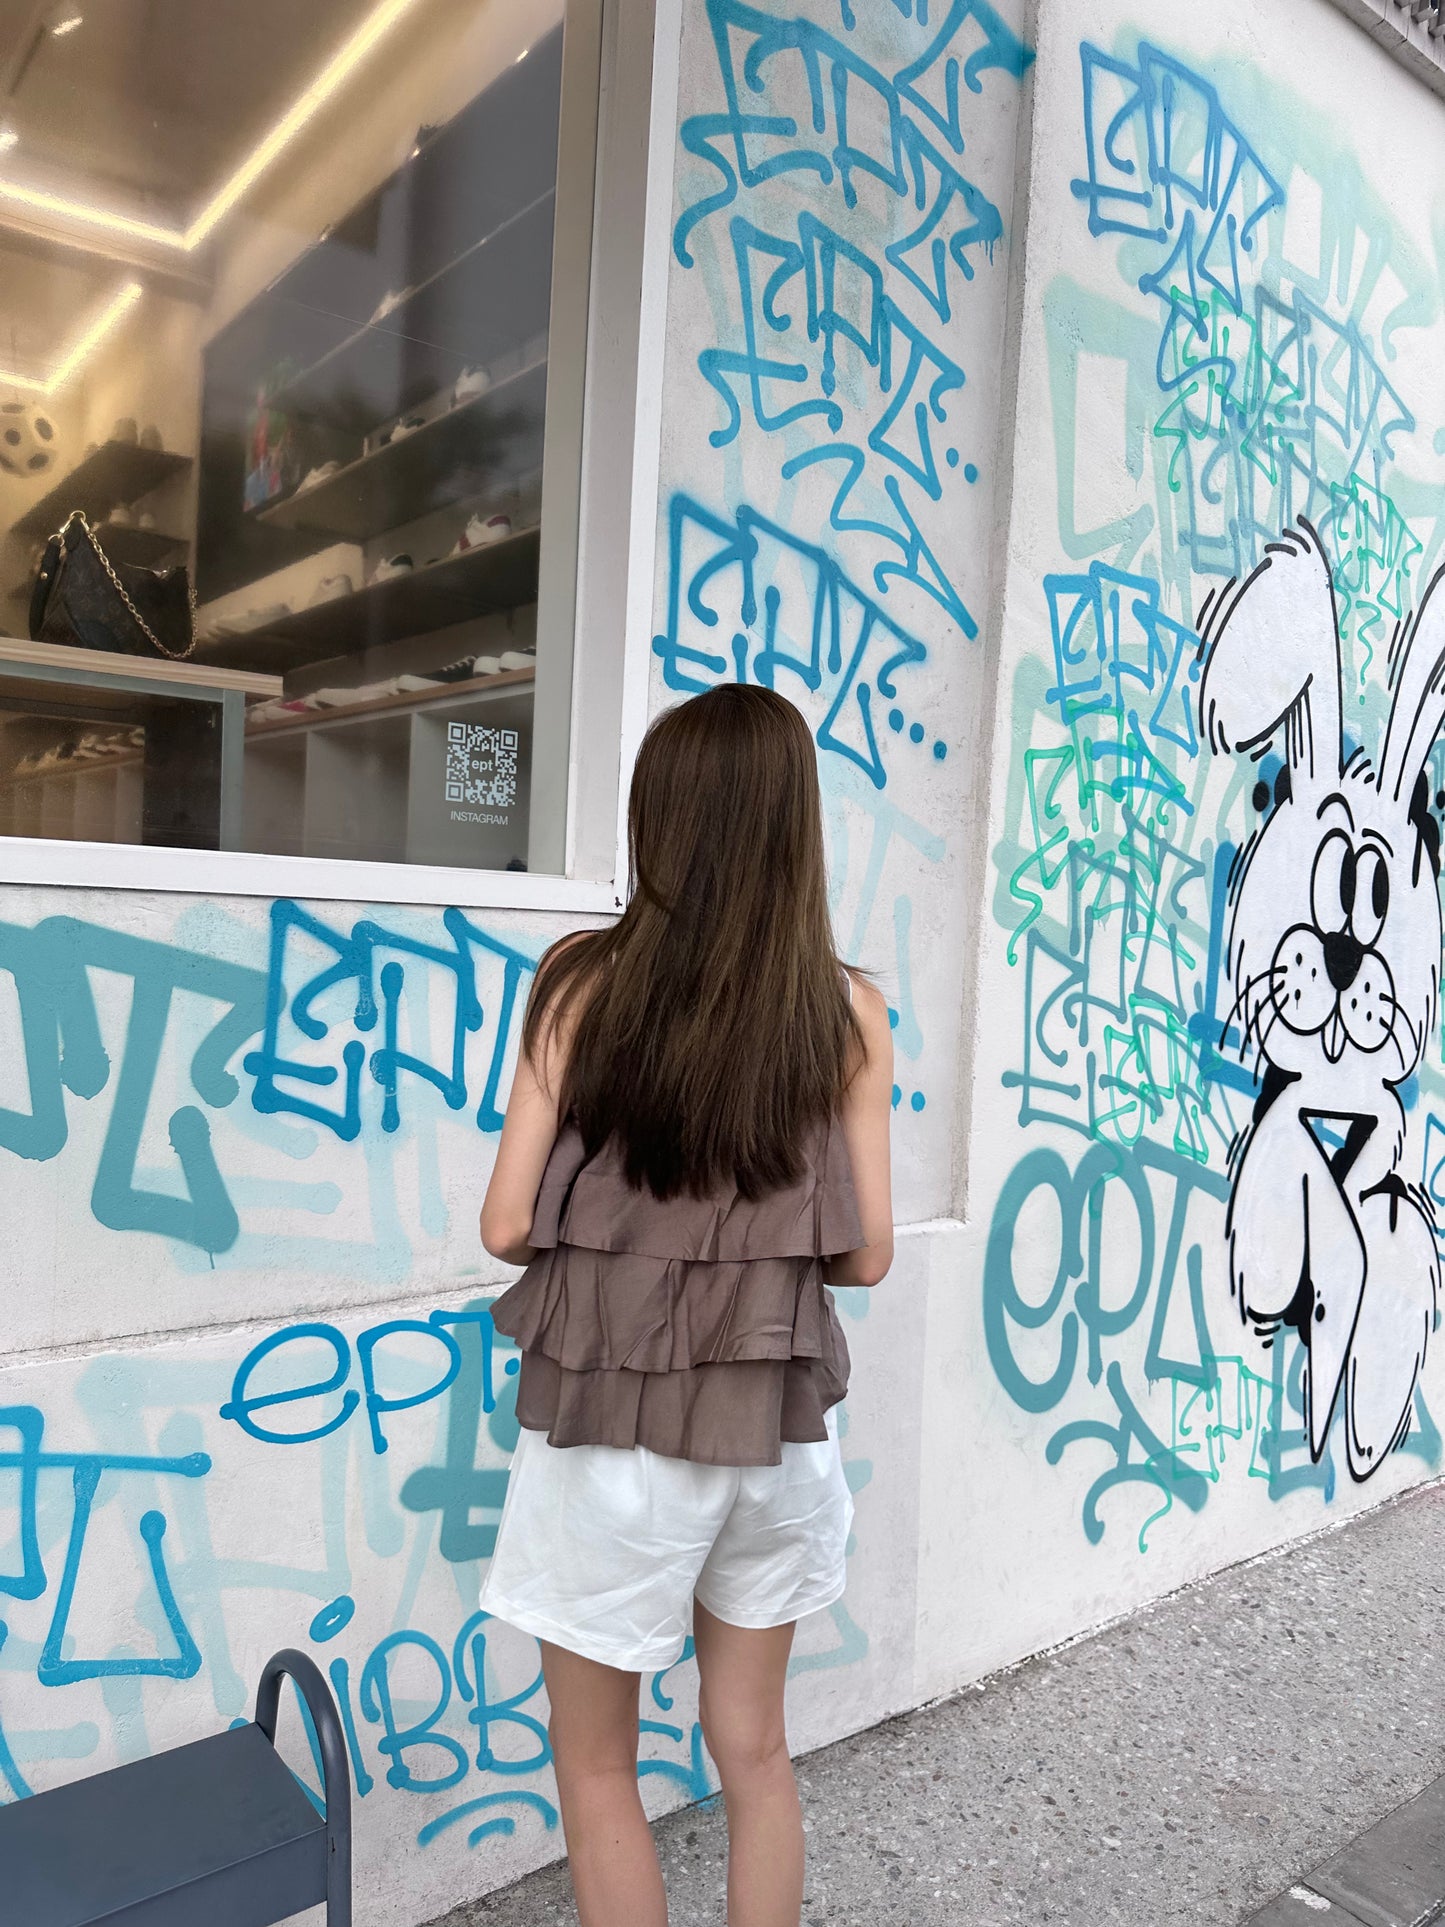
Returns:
point(601, 1550)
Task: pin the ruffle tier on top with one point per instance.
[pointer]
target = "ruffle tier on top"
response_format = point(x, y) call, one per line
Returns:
point(700, 1328)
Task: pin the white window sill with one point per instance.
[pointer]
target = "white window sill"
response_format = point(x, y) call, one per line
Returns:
point(115, 866)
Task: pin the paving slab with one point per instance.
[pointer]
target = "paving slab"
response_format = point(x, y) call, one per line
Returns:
point(1182, 1769)
point(1393, 1875)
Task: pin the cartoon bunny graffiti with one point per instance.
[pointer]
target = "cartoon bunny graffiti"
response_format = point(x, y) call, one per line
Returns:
point(1334, 952)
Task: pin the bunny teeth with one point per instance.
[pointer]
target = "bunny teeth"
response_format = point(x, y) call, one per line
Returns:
point(1333, 1038)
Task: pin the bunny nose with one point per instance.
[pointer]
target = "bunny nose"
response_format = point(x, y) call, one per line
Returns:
point(1343, 957)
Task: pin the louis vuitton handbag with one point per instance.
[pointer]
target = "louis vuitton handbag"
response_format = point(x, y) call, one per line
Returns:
point(85, 601)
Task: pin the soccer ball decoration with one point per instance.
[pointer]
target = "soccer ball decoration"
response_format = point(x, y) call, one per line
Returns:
point(27, 439)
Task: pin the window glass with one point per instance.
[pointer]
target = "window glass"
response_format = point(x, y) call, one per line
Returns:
point(275, 291)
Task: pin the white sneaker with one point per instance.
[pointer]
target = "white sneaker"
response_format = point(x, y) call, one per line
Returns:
point(393, 566)
point(482, 533)
point(330, 588)
point(470, 383)
point(408, 425)
point(487, 666)
point(340, 698)
point(518, 659)
point(316, 476)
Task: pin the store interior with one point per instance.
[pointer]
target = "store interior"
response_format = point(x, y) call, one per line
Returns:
point(276, 288)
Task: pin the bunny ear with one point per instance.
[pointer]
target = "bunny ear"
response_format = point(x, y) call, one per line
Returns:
point(1417, 710)
point(1274, 658)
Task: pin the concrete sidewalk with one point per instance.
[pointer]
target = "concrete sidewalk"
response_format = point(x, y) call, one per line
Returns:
point(1185, 1766)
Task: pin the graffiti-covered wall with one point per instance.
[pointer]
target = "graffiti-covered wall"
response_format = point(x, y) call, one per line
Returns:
point(1052, 406)
point(250, 1394)
point(1202, 1276)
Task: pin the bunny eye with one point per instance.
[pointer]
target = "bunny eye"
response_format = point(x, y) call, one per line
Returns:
point(1333, 883)
point(1372, 896)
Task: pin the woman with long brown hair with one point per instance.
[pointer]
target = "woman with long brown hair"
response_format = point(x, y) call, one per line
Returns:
point(695, 1145)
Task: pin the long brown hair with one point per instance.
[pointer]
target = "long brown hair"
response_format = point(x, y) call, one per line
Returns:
point(711, 1026)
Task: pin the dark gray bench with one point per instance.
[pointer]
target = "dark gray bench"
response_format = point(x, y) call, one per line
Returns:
point(215, 1834)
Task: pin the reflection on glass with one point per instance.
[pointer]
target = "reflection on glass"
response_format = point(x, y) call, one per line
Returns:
point(276, 300)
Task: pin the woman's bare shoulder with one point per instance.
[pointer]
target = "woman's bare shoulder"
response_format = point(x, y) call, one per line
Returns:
point(875, 1024)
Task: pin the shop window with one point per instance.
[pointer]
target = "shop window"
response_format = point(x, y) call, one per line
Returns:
point(284, 289)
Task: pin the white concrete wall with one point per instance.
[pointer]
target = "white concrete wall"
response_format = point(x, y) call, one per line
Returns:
point(1200, 363)
point(230, 1176)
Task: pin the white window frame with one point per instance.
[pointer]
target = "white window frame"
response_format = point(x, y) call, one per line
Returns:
point(616, 536)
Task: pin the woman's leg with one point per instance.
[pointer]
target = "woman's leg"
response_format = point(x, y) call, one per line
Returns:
point(743, 1673)
point(594, 1748)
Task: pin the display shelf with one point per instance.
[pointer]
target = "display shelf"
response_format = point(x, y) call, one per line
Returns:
point(130, 670)
point(380, 705)
point(73, 772)
point(494, 437)
point(97, 802)
point(113, 473)
point(479, 582)
point(356, 791)
point(143, 548)
point(491, 297)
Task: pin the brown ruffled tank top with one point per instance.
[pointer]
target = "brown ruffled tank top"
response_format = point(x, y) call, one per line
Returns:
point(700, 1328)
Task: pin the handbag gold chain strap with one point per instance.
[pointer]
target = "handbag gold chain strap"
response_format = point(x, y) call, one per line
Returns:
point(175, 655)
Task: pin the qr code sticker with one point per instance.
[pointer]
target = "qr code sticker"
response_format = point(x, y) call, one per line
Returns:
point(481, 765)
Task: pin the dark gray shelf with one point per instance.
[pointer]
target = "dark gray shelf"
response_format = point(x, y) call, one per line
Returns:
point(143, 548)
point(484, 304)
point(113, 473)
point(479, 582)
point(497, 437)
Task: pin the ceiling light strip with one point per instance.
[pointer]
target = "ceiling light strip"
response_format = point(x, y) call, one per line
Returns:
point(101, 328)
point(333, 76)
point(89, 215)
point(338, 70)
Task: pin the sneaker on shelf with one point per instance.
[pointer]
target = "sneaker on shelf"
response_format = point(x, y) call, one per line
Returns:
point(340, 698)
point(125, 431)
point(487, 666)
point(462, 670)
point(408, 425)
point(146, 520)
point(316, 476)
point(482, 531)
point(471, 383)
point(330, 588)
point(519, 659)
point(393, 566)
point(389, 303)
point(151, 438)
point(120, 517)
point(413, 685)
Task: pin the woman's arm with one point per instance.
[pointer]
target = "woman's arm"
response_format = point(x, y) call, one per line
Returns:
point(867, 1115)
point(528, 1134)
